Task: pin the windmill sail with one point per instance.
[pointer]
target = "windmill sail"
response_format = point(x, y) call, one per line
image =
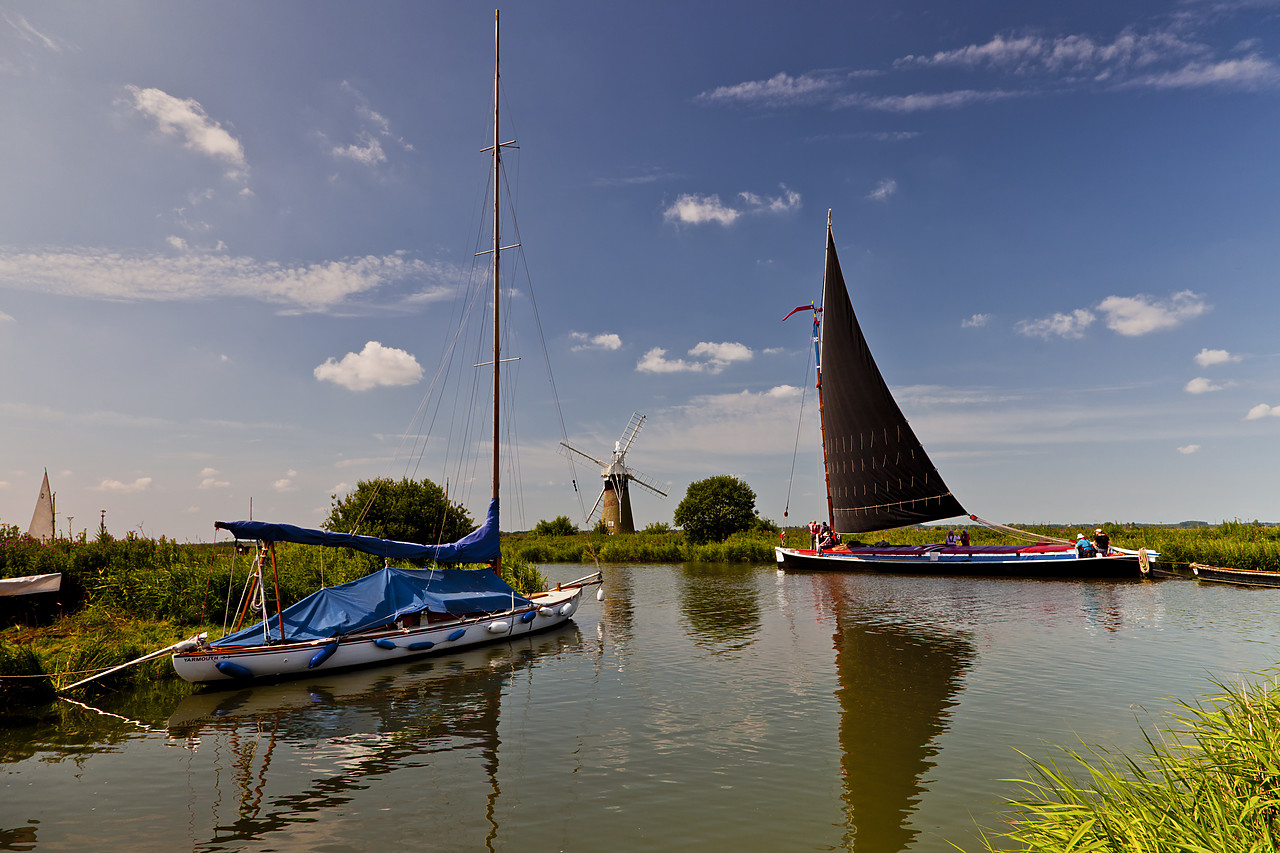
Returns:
point(879, 475)
point(42, 519)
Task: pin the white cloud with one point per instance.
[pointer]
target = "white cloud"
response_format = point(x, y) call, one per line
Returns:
point(6, 318)
point(209, 479)
point(285, 483)
point(711, 358)
point(883, 190)
point(1262, 410)
point(778, 91)
point(139, 485)
point(373, 366)
point(656, 361)
point(603, 341)
point(186, 119)
point(368, 153)
point(921, 101)
point(696, 209)
point(1200, 385)
point(30, 34)
point(1248, 73)
point(1209, 357)
point(101, 274)
point(977, 321)
point(1059, 325)
point(1142, 314)
point(693, 209)
point(1188, 449)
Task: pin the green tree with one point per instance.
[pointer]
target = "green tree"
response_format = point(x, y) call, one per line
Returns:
point(558, 526)
point(715, 508)
point(405, 510)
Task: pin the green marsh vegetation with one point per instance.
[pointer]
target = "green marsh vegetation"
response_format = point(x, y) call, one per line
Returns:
point(1209, 781)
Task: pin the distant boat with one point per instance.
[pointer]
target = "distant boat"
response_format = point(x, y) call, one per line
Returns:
point(1242, 577)
point(879, 477)
point(42, 519)
point(396, 613)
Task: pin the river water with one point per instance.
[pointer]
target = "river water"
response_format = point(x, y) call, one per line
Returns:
point(698, 707)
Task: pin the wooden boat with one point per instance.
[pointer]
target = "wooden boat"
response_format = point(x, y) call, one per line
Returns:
point(396, 613)
point(1244, 577)
point(878, 475)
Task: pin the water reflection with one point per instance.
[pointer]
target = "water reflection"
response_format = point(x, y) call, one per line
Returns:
point(720, 605)
point(896, 684)
point(331, 737)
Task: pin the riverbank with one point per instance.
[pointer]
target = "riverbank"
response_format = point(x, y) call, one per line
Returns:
point(1210, 781)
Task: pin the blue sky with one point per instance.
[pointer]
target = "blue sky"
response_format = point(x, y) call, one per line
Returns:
point(232, 235)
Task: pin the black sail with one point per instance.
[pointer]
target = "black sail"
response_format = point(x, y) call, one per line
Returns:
point(879, 475)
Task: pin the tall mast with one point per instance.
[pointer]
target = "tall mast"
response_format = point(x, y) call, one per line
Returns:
point(497, 221)
point(497, 290)
point(822, 425)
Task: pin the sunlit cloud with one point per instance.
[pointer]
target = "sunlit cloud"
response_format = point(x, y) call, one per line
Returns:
point(1058, 325)
point(1142, 314)
point(780, 90)
point(209, 479)
point(1188, 449)
point(1200, 385)
point(285, 483)
point(695, 209)
point(6, 318)
point(706, 358)
point(185, 119)
point(139, 485)
point(603, 341)
point(1209, 357)
point(1262, 410)
point(922, 101)
point(976, 321)
point(375, 128)
point(883, 190)
point(102, 274)
point(373, 366)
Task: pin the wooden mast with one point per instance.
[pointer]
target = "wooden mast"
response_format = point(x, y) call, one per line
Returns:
point(822, 425)
point(497, 292)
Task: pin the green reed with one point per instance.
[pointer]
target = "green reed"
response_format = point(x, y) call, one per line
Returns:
point(1208, 783)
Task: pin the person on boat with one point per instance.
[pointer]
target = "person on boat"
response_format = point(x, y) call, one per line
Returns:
point(1101, 541)
point(827, 539)
point(813, 535)
point(1084, 548)
point(951, 539)
point(964, 538)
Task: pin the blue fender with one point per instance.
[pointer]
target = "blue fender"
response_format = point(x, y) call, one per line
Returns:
point(322, 655)
point(457, 635)
point(234, 670)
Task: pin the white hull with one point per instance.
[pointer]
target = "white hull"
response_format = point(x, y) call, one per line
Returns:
point(376, 647)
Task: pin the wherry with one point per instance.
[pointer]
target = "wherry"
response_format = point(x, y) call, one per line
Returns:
point(879, 477)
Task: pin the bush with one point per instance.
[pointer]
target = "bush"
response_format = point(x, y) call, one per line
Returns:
point(715, 508)
point(558, 526)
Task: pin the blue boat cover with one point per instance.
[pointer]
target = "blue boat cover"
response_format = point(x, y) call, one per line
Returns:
point(479, 546)
point(378, 599)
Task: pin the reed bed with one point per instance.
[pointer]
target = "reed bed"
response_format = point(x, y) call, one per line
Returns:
point(1208, 783)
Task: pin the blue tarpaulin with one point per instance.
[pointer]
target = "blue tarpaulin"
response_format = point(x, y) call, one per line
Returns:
point(379, 599)
point(480, 546)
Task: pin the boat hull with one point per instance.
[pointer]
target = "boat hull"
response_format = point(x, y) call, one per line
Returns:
point(1243, 577)
point(1002, 562)
point(212, 665)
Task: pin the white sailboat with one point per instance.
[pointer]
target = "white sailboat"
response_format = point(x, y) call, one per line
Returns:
point(395, 613)
point(41, 526)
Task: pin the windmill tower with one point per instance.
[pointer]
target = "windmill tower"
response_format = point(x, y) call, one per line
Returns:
point(615, 496)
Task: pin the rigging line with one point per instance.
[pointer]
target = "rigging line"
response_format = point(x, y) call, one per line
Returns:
point(546, 358)
point(1016, 532)
point(804, 391)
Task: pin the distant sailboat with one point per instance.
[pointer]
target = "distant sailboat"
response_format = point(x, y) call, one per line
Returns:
point(42, 519)
point(878, 475)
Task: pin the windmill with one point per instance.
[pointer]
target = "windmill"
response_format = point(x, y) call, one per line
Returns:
point(615, 495)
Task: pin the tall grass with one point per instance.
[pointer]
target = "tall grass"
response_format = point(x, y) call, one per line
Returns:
point(1208, 784)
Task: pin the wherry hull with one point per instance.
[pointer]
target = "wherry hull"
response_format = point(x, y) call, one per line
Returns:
point(212, 664)
point(1034, 562)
